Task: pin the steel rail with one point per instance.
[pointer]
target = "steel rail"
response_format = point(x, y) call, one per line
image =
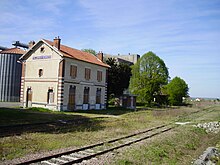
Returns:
point(114, 148)
point(98, 144)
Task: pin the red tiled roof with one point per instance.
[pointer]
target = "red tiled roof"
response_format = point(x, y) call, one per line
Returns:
point(77, 54)
point(12, 51)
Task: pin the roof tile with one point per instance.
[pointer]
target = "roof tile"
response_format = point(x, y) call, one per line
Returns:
point(78, 54)
point(13, 51)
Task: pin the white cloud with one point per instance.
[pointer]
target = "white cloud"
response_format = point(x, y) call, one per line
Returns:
point(114, 13)
point(184, 33)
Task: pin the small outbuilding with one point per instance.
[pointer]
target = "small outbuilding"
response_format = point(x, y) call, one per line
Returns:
point(128, 101)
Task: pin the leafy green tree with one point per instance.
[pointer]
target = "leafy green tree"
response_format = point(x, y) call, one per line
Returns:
point(176, 90)
point(149, 74)
point(118, 77)
point(90, 51)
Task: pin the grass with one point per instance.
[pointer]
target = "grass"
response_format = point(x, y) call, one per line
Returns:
point(10, 116)
point(98, 129)
point(102, 125)
point(110, 111)
point(179, 148)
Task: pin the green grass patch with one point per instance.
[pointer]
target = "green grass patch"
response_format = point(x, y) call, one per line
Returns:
point(109, 111)
point(100, 125)
point(179, 148)
point(12, 116)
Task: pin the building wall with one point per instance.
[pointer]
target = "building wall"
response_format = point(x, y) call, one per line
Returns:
point(49, 64)
point(48, 61)
point(80, 83)
point(53, 65)
point(10, 77)
point(133, 58)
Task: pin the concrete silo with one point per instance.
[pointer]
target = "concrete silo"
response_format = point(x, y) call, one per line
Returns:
point(10, 74)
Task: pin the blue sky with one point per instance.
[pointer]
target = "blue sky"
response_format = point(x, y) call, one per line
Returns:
point(184, 33)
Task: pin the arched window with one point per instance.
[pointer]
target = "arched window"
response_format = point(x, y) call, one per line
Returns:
point(98, 96)
point(50, 96)
point(72, 96)
point(40, 72)
point(29, 97)
point(86, 95)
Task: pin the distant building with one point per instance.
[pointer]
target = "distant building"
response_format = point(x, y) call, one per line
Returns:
point(128, 101)
point(59, 77)
point(130, 59)
point(10, 74)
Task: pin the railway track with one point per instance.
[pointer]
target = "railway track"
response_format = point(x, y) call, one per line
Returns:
point(11, 130)
point(92, 151)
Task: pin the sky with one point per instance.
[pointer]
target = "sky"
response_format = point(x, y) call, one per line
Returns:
point(184, 33)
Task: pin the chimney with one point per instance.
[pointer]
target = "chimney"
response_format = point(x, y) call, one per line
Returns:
point(100, 55)
point(56, 41)
point(30, 44)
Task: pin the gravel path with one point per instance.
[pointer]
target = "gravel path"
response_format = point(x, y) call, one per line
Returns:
point(9, 104)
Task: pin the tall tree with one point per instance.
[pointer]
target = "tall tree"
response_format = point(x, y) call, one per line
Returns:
point(148, 76)
point(118, 77)
point(124, 76)
point(176, 90)
point(92, 51)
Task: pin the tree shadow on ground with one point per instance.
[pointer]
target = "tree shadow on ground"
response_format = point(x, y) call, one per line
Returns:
point(54, 123)
point(110, 111)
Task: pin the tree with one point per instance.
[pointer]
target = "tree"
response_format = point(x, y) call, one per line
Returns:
point(149, 74)
point(124, 76)
point(118, 77)
point(90, 51)
point(176, 90)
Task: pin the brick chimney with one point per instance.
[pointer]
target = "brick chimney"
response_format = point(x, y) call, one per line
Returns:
point(100, 55)
point(56, 41)
point(30, 44)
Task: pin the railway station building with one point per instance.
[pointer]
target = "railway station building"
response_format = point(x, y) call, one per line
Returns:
point(62, 78)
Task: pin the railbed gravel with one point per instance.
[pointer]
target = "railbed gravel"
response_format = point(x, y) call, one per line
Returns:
point(104, 159)
point(210, 127)
point(111, 157)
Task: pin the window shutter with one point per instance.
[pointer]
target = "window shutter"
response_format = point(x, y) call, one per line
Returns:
point(87, 73)
point(73, 71)
point(99, 76)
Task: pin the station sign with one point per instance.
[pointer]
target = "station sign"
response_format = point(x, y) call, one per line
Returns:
point(41, 57)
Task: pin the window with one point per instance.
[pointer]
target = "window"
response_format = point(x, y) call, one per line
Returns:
point(29, 94)
point(99, 76)
point(98, 96)
point(50, 96)
point(40, 72)
point(73, 71)
point(87, 73)
point(42, 49)
point(86, 95)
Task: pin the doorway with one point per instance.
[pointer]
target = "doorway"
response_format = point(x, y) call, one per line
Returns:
point(29, 98)
point(72, 98)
